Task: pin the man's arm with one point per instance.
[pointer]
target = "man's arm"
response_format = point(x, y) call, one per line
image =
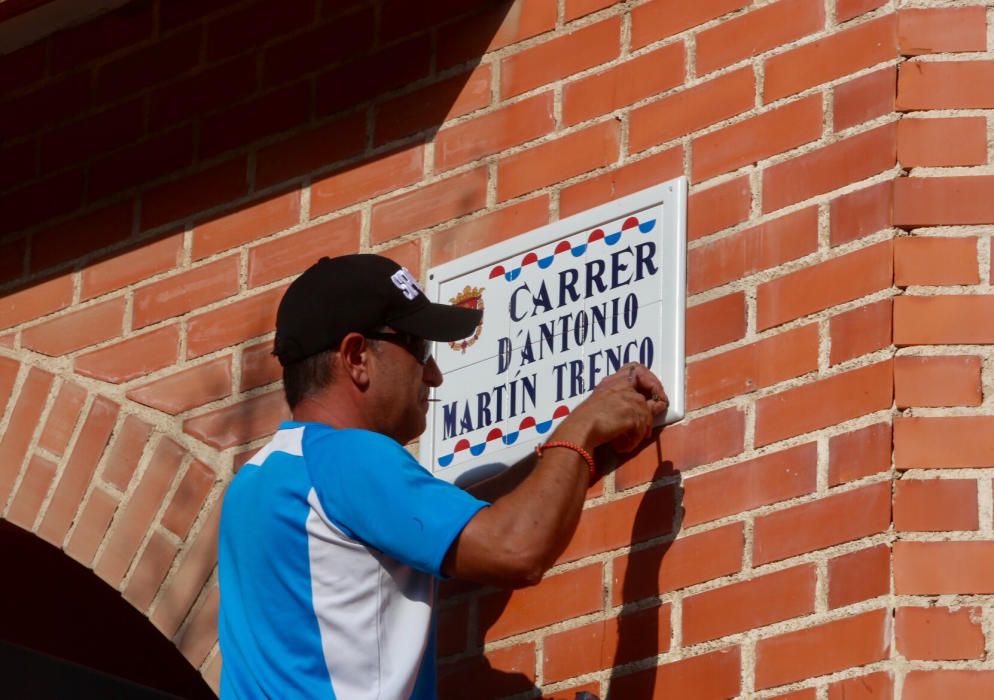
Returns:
point(515, 540)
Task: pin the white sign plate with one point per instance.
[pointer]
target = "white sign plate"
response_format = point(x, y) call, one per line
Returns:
point(563, 306)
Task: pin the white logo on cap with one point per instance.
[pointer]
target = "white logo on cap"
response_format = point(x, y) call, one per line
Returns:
point(405, 282)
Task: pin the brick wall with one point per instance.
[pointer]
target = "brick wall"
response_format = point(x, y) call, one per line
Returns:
point(818, 527)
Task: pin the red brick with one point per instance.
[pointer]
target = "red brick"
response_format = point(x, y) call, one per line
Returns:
point(858, 214)
point(509, 670)
point(835, 519)
point(558, 597)
point(945, 85)
point(366, 180)
point(824, 402)
point(752, 250)
point(757, 138)
point(712, 676)
point(875, 686)
point(62, 418)
point(145, 67)
point(20, 162)
point(944, 442)
point(674, 565)
point(185, 505)
point(401, 19)
point(864, 98)
point(273, 113)
point(91, 526)
point(718, 207)
point(943, 201)
point(606, 643)
point(962, 685)
point(129, 444)
point(495, 28)
point(624, 84)
point(850, 9)
point(750, 367)
point(131, 358)
point(247, 224)
point(495, 226)
point(554, 161)
point(860, 331)
point(133, 523)
point(749, 604)
point(259, 366)
point(942, 30)
point(942, 142)
point(92, 135)
point(756, 32)
point(622, 522)
point(750, 484)
point(150, 571)
point(429, 205)
point(560, 57)
point(943, 320)
point(833, 646)
point(201, 92)
point(240, 423)
point(495, 131)
point(125, 268)
point(21, 426)
point(188, 388)
point(254, 25)
point(164, 154)
point(9, 369)
point(78, 472)
point(684, 446)
point(23, 67)
point(803, 694)
point(28, 498)
point(823, 285)
point(453, 629)
point(859, 453)
point(935, 505)
point(659, 19)
point(77, 329)
point(233, 323)
point(194, 193)
point(371, 75)
point(830, 167)
point(311, 150)
point(432, 105)
point(197, 561)
point(81, 235)
point(841, 54)
point(715, 323)
point(936, 261)
point(626, 179)
point(858, 576)
point(947, 380)
point(54, 102)
point(183, 292)
point(937, 568)
point(41, 201)
point(35, 301)
point(291, 255)
point(692, 109)
point(200, 635)
point(325, 45)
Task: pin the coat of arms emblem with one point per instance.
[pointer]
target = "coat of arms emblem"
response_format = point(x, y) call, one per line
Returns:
point(470, 298)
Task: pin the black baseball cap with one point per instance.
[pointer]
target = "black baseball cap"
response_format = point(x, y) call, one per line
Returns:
point(360, 293)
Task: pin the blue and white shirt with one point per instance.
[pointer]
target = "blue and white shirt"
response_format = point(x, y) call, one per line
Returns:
point(330, 545)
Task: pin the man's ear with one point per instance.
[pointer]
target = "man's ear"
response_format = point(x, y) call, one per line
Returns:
point(354, 353)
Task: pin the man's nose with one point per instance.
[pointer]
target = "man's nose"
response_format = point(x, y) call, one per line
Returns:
point(432, 374)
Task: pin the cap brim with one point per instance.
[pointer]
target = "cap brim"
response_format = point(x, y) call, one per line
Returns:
point(441, 322)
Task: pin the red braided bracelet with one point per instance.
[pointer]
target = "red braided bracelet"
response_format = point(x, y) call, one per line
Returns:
point(576, 448)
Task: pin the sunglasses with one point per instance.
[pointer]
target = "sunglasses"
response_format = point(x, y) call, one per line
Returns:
point(418, 347)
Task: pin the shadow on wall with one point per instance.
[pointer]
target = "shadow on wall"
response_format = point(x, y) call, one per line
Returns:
point(643, 629)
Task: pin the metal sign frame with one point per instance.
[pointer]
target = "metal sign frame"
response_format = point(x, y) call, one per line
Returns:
point(659, 213)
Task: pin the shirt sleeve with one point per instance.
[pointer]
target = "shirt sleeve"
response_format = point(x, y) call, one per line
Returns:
point(374, 491)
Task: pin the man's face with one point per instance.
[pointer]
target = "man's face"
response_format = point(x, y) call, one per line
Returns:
point(400, 389)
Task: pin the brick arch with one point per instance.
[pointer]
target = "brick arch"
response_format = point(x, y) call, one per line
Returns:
point(120, 490)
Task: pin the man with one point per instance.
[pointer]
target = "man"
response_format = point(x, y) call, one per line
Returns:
point(333, 536)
